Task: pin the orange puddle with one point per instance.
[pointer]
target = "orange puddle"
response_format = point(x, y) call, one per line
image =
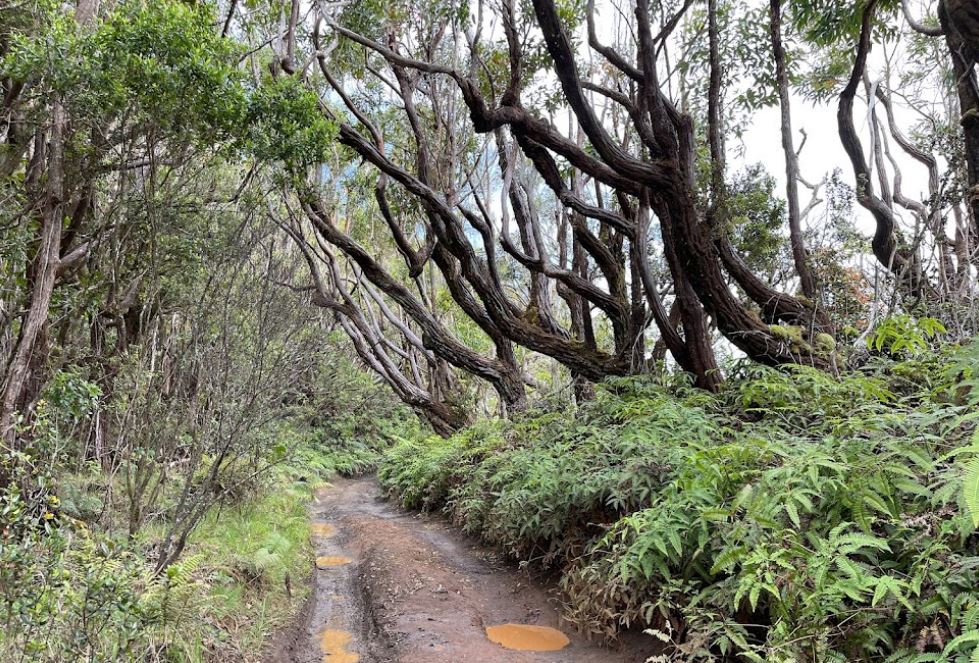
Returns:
point(331, 560)
point(527, 637)
point(323, 529)
point(334, 644)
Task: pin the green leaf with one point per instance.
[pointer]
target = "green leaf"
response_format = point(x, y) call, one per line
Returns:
point(970, 490)
point(793, 514)
point(965, 638)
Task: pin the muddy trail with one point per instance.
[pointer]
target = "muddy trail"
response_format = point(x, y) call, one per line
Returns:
point(398, 587)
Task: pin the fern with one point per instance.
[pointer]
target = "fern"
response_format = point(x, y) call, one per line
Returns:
point(827, 508)
point(171, 597)
point(970, 489)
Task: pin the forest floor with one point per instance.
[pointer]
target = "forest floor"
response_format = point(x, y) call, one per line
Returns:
point(393, 586)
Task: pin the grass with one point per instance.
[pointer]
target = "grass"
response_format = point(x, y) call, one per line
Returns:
point(242, 576)
point(258, 556)
point(258, 559)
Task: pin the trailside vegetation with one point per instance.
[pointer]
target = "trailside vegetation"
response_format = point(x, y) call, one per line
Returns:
point(790, 516)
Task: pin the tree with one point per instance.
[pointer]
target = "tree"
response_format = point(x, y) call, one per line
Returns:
point(645, 172)
point(123, 94)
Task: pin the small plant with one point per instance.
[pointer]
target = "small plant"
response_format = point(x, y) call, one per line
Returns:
point(904, 335)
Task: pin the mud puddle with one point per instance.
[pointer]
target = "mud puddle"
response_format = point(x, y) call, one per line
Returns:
point(395, 587)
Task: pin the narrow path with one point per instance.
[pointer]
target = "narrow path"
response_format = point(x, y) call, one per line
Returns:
point(397, 587)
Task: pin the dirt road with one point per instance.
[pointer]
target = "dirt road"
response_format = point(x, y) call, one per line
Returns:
point(391, 586)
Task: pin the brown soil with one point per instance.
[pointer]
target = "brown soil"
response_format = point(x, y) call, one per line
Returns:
point(415, 590)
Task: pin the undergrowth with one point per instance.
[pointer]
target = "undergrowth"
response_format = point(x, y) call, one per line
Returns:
point(78, 592)
point(254, 577)
point(75, 588)
point(792, 517)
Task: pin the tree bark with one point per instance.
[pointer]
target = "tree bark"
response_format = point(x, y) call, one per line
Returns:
point(960, 23)
point(807, 281)
point(45, 272)
point(905, 268)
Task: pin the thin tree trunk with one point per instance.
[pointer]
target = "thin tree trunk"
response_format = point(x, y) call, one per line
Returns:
point(960, 22)
point(800, 257)
point(45, 271)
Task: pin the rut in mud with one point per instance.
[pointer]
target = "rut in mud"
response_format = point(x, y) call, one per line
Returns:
point(391, 586)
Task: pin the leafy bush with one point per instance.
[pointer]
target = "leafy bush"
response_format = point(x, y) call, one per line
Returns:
point(72, 596)
point(903, 334)
point(73, 593)
point(792, 517)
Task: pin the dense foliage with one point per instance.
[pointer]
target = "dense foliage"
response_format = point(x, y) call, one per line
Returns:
point(79, 583)
point(793, 516)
